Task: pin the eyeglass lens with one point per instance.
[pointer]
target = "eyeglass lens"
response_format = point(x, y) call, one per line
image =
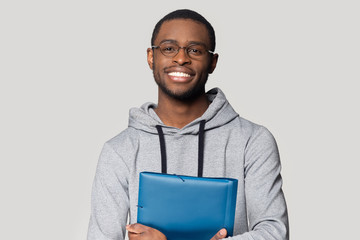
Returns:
point(193, 50)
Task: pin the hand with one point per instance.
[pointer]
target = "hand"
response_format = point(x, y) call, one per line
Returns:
point(220, 234)
point(138, 231)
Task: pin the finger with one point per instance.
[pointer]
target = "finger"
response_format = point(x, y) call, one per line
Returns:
point(220, 234)
point(133, 236)
point(136, 228)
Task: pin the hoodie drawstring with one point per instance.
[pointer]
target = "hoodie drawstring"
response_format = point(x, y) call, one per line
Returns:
point(201, 148)
point(200, 151)
point(162, 149)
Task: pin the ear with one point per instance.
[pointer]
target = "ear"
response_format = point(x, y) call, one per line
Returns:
point(150, 58)
point(213, 62)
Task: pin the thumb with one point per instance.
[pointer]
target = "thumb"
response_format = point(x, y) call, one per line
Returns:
point(136, 228)
point(220, 234)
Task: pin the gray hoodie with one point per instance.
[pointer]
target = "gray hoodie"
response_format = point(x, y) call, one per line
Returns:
point(233, 147)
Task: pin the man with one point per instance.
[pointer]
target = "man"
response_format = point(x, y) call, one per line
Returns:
point(181, 58)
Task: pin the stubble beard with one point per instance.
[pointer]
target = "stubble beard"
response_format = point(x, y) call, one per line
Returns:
point(188, 95)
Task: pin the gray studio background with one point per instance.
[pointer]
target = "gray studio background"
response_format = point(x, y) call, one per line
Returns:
point(70, 70)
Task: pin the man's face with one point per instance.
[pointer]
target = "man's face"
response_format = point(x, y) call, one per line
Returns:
point(181, 77)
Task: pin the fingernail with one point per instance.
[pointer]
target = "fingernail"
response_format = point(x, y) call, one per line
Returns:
point(222, 232)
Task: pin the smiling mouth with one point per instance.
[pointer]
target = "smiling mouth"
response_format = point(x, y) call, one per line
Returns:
point(179, 74)
point(180, 77)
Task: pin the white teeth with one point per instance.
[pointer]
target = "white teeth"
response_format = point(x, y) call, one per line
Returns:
point(179, 74)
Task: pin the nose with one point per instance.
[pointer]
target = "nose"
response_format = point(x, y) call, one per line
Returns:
point(182, 57)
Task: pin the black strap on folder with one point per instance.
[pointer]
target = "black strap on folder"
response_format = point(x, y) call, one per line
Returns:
point(200, 152)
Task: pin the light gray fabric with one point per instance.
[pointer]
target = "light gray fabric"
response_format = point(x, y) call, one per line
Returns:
point(234, 147)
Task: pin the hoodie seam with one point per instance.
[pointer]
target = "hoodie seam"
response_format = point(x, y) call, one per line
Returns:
point(119, 156)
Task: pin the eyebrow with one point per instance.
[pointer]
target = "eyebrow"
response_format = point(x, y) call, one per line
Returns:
point(189, 43)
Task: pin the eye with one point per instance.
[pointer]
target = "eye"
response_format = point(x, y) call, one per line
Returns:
point(168, 48)
point(195, 50)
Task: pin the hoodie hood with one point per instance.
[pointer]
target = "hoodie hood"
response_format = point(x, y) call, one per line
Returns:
point(218, 114)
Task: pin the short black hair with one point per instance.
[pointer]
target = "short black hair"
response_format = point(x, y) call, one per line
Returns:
point(185, 14)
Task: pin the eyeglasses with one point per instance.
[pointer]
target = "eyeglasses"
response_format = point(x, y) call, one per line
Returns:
point(194, 51)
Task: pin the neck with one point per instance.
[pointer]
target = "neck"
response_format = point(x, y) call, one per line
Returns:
point(176, 113)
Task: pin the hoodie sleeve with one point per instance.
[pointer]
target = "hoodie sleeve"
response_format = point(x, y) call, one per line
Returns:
point(109, 199)
point(266, 206)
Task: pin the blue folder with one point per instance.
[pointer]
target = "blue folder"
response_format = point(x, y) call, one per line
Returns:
point(184, 207)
